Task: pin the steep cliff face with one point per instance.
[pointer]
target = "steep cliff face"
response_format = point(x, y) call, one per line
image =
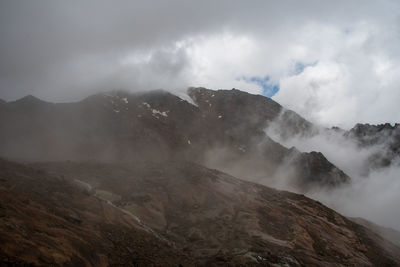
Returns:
point(225, 129)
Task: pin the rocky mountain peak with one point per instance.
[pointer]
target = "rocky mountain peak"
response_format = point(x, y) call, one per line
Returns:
point(386, 136)
point(151, 179)
point(123, 126)
point(29, 99)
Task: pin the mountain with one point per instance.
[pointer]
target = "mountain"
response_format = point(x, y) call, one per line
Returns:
point(385, 136)
point(386, 232)
point(166, 214)
point(151, 179)
point(377, 146)
point(222, 129)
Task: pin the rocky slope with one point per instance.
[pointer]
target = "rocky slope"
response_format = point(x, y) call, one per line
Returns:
point(224, 130)
point(386, 232)
point(197, 216)
point(47, 221)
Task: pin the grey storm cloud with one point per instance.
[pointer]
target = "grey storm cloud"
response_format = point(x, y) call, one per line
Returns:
point(65, 50)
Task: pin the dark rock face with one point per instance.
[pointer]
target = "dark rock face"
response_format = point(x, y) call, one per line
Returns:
point(113, 126)
point(314, 167)
point(374, 134)
point(120, 126)
point(245, 115)
point(386, 136)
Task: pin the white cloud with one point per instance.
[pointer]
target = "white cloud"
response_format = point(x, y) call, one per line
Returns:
point(372, 194)
point(354, 80)
point(65, 50)
point(374, 197)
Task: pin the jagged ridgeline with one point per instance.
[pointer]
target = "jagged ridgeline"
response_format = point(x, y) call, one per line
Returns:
point(222, 129)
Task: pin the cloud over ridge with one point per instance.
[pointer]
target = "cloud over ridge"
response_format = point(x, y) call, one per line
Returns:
point(336, 63)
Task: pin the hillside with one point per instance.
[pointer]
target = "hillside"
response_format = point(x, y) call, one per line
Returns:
point(47, 220)
point(169, 213)
point(224, 130)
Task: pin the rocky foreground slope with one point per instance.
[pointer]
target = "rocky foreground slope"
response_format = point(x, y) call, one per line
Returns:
point(48, 221)
point(170, 213)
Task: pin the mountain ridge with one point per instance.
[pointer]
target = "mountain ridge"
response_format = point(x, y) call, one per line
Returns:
point(120, 125)
point(149, 178)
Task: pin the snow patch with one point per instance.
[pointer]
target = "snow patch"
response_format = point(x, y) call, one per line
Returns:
point(125, 100)
point(189, 142)
point(116, 110)
point(219, 117)
point(157, 112)
point(187, 98)
point(241, 148)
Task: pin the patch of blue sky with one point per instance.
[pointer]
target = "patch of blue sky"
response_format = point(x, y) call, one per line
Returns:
point(300, 66)
point(269, 88)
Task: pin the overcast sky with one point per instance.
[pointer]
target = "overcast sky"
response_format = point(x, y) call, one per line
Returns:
point(334, 62)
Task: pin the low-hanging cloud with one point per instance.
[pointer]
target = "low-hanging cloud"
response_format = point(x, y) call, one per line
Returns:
point(63, 51)
point(354, 80)
point(372, 193)
point(374, 197)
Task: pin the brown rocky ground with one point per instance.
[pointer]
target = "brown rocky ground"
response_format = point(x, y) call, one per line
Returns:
point(218, 219)
point(45, 221)
point(388, 233)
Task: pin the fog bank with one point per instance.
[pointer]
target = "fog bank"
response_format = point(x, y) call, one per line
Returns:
point(373, 193)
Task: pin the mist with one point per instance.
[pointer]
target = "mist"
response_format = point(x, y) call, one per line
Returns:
point(374, 197)
point(372, 193)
